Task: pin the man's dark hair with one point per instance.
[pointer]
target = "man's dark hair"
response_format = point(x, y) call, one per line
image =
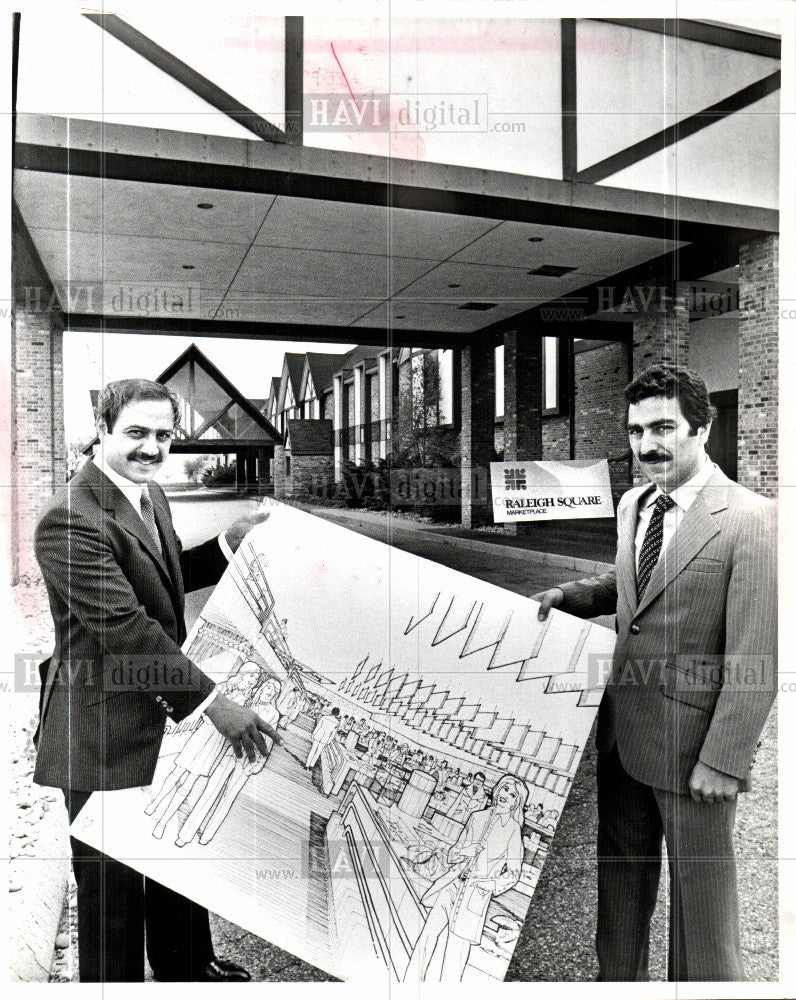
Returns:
point(479, 774)
point(116, 395)
point(675, 382)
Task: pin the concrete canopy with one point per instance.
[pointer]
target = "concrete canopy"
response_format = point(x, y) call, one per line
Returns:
point(308, 244)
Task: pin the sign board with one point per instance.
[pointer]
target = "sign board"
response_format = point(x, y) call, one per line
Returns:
point(549, 491)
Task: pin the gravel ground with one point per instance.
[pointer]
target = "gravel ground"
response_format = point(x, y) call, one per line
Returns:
point(556, 943)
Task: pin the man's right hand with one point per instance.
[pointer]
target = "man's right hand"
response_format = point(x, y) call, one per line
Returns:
point(243, 727)
point(553, 598)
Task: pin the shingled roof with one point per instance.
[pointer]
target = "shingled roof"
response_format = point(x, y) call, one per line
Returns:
point(322, 368)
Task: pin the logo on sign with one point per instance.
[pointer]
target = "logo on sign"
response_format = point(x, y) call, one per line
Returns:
point(515, 479)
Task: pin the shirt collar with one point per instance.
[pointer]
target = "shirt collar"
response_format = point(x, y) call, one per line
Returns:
point(685, 494)
point(133, 491)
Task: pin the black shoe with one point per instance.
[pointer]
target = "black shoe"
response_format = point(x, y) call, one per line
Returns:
point(218, 970)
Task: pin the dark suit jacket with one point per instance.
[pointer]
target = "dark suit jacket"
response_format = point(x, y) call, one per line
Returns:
point(117, 671)
point(694, 669)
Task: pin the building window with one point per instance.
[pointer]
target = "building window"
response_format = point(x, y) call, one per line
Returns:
point(555, 375)
point(499, 383)
point(287, 465)
point(445, 367)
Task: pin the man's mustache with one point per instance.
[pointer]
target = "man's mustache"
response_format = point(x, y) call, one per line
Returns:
point(651, 457)
point(136, 456)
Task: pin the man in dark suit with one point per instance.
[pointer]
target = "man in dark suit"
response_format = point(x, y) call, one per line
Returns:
point(116, 577)
point(692, 681)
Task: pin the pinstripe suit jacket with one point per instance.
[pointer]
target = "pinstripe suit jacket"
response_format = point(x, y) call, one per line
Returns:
point(694, 669)
point(117, 671)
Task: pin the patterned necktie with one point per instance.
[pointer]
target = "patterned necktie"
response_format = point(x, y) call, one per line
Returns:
point(148, 517)
point(651, 546)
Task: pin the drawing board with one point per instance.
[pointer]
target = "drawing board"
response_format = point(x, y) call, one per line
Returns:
point(431, 730)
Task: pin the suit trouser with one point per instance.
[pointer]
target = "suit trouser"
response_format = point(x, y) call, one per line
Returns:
point(704, 936)
point(114, 906)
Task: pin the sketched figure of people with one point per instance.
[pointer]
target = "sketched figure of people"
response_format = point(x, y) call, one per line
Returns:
point(323, 734)
point(485, 861)
point(201, 755)
point(229, 776)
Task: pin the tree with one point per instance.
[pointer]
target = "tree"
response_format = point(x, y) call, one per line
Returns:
point(194, 466)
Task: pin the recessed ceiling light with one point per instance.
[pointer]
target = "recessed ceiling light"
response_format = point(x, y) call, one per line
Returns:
point(204, 204)
point(535, 239)
point(188, 267)
point(552, 270)
point(478, 306)
point(454, 285)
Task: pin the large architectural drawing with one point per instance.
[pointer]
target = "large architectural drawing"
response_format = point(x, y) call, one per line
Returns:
point(432, 727)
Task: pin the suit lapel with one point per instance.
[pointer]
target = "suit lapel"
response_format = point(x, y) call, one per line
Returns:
point(626, 550)
point(694, 532)
point(113, 500)
point(171, 555)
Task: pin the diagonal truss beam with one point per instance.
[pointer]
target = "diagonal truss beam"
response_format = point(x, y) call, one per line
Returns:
point(188, 77)
point(736, 39)
point(569, 99)
point(680, 130)
point(208, 423)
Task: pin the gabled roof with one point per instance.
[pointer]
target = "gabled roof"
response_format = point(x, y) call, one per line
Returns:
point(292, 370)
point(321, 367)
point(212, 408)
point(357, 355)
point(309, 437)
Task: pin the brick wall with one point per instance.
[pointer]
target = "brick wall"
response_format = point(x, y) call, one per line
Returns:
point(280, 477)
point(310, 474)
point(555, 438)
point(38, 439)
point(758, 347)
point(600, 378)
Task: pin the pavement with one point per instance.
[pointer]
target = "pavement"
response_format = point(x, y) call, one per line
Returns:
point(556, 944)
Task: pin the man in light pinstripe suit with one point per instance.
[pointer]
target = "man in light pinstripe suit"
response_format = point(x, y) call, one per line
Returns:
point(691, 684)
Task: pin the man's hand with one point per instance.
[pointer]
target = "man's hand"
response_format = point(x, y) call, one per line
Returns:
point(241, 726)
point(709, 785)
point(239, 529)
point(547, 599)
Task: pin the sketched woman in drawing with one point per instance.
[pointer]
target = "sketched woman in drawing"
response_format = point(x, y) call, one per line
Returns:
point(485, 862)
point(202, 762)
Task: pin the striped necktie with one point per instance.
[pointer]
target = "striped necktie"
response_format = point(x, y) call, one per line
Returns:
point(651, 546)
point(148, 517)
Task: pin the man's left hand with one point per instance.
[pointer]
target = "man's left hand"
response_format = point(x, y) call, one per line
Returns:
point(238, 530)
point(709, 785)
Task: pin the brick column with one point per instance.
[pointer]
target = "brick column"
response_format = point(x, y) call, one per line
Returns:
point(660, 326)
point(478, 432)
point(38, 460)
point(660, 333)
point(758, 395)
point(522, 406)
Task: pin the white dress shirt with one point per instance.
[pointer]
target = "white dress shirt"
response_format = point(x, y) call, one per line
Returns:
point(683, 497)
point(134, 492)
